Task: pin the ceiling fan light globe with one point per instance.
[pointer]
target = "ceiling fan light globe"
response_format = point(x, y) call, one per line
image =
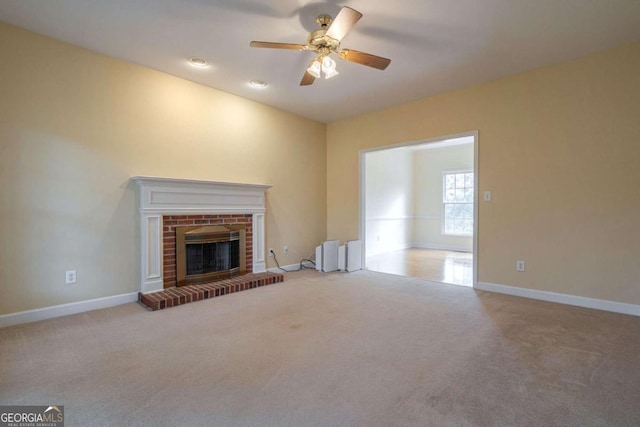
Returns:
point(330, 73)
point(314, 69)
point(328, 64)
point(329, 67)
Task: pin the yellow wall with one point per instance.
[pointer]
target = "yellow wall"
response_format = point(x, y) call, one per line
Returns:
point(559, 147)
point(76, 125)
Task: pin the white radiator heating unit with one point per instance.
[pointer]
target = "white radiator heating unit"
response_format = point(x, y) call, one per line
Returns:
point(330, 256)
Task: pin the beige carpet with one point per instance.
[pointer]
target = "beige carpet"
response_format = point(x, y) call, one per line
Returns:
point(357, 349)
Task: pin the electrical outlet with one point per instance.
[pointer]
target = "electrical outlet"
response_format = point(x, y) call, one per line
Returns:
point(519, 265)
point(285, 250)
point(270, 252)
point(70, 277)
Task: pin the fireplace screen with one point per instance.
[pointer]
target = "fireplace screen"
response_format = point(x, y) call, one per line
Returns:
point(203, 258)
point(209, 253)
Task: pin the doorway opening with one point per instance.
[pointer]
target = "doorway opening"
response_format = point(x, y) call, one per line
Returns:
point(418, 209)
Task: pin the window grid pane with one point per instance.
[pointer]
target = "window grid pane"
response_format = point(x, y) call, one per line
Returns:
point(458, 203)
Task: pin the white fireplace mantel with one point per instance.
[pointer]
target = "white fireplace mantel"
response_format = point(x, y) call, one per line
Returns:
point(168, 196)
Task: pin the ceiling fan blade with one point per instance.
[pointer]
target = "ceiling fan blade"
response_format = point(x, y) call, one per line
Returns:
point(364, 58)
point(343, 23)
point(307, 79)
point(272, 45)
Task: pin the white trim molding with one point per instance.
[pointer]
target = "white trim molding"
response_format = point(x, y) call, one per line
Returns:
point(291, 268)
point(65, 309)
point(597, 304)
point(390, 218)
point(389, 248)
point(259, 262)
point(443, 247)
point(168, 196)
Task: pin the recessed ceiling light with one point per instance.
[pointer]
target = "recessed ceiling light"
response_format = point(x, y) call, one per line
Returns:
point(258, 84)
point(198, 62)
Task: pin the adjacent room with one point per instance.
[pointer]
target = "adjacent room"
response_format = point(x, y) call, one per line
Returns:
point(418, 211)
point(169, 167)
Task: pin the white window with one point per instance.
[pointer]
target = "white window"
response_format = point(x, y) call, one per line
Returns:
point(457, 200)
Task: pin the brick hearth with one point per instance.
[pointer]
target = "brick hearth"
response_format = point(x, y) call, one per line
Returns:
point(172, 297)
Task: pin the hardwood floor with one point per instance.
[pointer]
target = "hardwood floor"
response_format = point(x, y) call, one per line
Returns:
point(437, 265)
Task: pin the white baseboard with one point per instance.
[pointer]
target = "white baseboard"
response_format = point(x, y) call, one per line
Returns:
point(291, 268)
point(65, 309)
point(437, 247)
point(598, 304)
point(387, 249)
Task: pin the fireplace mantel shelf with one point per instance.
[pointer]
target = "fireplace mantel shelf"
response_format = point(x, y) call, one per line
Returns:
point(179, 196)
point(150, 180)
point(169, 196)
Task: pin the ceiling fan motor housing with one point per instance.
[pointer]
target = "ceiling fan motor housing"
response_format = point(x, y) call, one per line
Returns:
point(318, 40)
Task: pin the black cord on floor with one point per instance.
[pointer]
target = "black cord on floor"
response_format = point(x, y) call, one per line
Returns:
point(302, 266)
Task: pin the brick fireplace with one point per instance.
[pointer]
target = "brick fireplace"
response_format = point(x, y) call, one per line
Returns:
point(172, 224)
point(166, 203)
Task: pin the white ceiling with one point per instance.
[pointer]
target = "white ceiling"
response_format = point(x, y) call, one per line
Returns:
point(435, 45)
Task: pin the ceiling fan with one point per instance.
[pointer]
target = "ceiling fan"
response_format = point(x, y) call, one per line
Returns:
point(325, 41)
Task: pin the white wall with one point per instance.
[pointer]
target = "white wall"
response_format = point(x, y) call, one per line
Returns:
point(428, 167)
point(389, 200)
point(403, 198)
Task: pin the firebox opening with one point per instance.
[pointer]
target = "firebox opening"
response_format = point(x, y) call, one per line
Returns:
point(209, 253)
point(203, 258)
